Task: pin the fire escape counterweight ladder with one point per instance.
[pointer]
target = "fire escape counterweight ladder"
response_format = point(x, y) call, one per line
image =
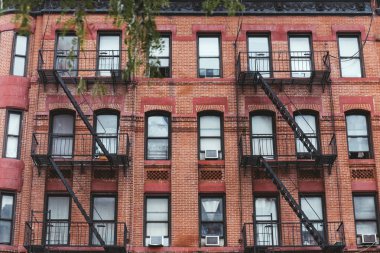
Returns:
point(270, 172)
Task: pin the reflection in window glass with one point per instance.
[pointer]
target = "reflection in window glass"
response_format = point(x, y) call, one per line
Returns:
point(357, 136)
point(157, 219)
point(208, 56)
point(313, 208)
point(365, 217)
point(19, 55)
point(259, 56)
point(262, 136)
point(159, 58)
point(107, 130)
point(350, 56)
point(157, 138)
point(104, 219)
point(12, 142)
point(6, 217)
point(266, 227)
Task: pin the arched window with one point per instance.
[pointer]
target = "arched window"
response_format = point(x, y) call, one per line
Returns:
point(62, 133)
point(157, 143)
point(358, 135)
point(262, 134)
point(308, 122)
point(107, 129)
point(210, 135)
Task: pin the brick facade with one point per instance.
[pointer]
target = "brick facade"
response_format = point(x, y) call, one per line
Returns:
point(184, 178)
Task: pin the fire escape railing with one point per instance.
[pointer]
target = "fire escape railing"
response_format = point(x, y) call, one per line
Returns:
point(290, 234)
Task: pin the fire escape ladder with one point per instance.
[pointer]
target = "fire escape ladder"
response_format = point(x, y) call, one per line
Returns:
point(293, 204)
point(285, 114)
point(83, 117)
point(59, 172)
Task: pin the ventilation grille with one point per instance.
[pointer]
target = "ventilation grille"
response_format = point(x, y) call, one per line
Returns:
point(104, 174)
point(362, 174)
point(211, 175)
point(157, 175)
point(66, 174)
point(312, 174)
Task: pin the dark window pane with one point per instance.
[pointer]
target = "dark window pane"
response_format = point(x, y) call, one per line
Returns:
point(5, 231)
point(63, 124)
point(6, 207)
point(212, 229)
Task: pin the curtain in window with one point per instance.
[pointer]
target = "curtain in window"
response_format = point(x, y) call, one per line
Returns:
point(106, 128)
point(63, 135)
point(57, 227)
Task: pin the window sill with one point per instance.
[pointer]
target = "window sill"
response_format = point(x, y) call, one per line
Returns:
point(211, 162)
point(157, 163)
point(369, 161)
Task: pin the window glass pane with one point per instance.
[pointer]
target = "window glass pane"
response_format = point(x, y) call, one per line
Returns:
point(159, 62)
point(266, 233)
point(365, 207)
point(157, 229)
point(259, 64)
point(157, 209)
point(63, 124)
point(106, 124)
point(212, 229)
point(163, 51)
point(358, 144)
point(57, 233)
point(109, 43)
point(366, 227)
point(67, 42)
point(299, 44)
point(356, 125)
point(104, 208)
point(210, 144)
point(6, 207)
point(307, 123)
point(59, 208)
point(348, 47)
point(312, 206)
point(210, 66)
point(351, 67)
point(266, 209)
point(208, 47)
point(158, 149)
point(5, 231)
point(212, 209)
point(106, 231)
point(21, 45)
point(158, 126)
point(12, 147)
point(263, 146)
point(210, 126)
point(258, 44)
point(18, 66)
point(262, 125)
point(14, 124)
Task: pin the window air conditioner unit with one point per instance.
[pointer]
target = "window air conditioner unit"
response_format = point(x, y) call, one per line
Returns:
point(371, 238)
point(211, 154)
point(156, 241)
point(212, 240)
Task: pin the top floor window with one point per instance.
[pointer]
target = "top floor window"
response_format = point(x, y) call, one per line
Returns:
point(157, 137)
point(20, 50)
point(66, 59)
point(159, 58)
point(108, 54)
point(300, 55)
point(259, 54)
point(358, 137)
point(350, 56)
point(209, 60)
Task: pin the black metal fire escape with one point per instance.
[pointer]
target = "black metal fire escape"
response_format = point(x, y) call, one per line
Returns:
point(59, 172)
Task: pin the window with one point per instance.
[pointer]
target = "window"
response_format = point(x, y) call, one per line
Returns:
point(159, 58)
point(308, 123)
point(157, 219)
point(259, 54)
point(262, 137)
point(13, 134)
point(313, 208)
point(266, 221)
point(300, 55)
point(20, 50)
point(103, 215)
point(350, 56)
point(157, 141)
point(7, 201)
point(66, 59)
point(108, 54)
point(62, 135)
point(209, 56)
point(58, 224)
point(365, 217)
point(210, 137)
point(107, 128)
point(212, 218)
point(358, 136)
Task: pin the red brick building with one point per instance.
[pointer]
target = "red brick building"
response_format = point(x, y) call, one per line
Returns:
point(261, 133)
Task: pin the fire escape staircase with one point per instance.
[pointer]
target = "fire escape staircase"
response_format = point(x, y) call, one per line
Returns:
point(261, 161)
point(59, 172)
